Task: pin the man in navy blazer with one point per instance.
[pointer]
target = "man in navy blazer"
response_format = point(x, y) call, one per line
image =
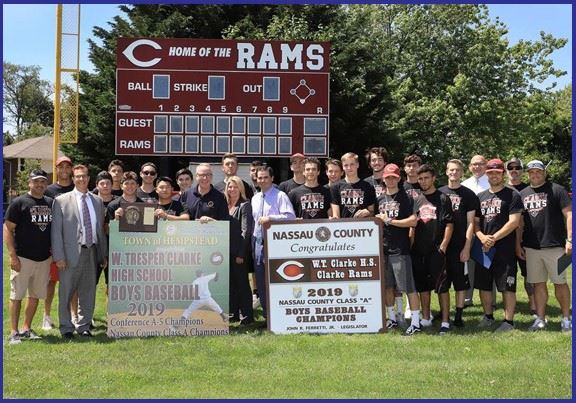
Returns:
point(78, 247)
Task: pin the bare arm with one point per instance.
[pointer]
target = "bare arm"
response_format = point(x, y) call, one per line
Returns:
point(465, 252)
point(447, 236)
point(8, 230)
point(568, 215)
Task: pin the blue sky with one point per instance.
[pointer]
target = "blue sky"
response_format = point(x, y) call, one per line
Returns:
point(26, 46)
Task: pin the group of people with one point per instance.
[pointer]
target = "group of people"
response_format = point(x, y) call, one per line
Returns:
point(59, 232)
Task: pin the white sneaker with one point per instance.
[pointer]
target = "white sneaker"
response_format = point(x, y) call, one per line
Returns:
point(538, 324)
point(566, 325)
point(426, 323)
point(47, 323)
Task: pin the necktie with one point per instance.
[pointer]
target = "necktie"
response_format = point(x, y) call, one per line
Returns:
point(87, 221)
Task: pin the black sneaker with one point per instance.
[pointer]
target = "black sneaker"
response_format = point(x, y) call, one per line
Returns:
point(391, 324)
point(68, 336)
point(246, 321)
point(29, 335)
point(412, 330)
point(86, 333)
point(458, 323)
point(444, 331)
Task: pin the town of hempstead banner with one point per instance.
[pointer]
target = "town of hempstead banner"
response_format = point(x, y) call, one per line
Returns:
point(207, 97)
point(325, 276)
point(171, 282)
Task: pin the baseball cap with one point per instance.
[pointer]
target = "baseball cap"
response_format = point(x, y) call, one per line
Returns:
point(391, 170)
point(38, 174)
point(536, 164)
point(296, 156)
point(63, 159)
point(514, 160)
point(495, 165)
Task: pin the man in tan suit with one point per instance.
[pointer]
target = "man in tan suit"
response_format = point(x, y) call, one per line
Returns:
point(78, 247)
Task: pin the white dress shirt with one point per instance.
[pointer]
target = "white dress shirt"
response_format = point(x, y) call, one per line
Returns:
point(475, 184)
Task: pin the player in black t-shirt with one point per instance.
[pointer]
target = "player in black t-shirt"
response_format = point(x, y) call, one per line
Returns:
point(129, 184)
point(432, 236)
point(411, 165)
point(297, 168)
point(377, 158)
point(514, 169)
point(27, 238)
point(547, 236)
point(168, 208)
point(147, 191)
point(333, 172)
point(310, 200)
point(397, 210)
point(352, 197)
point(464, 206)
point(495, 225)
point(230, 168)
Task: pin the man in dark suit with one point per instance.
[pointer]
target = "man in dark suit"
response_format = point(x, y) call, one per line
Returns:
point(78, 247)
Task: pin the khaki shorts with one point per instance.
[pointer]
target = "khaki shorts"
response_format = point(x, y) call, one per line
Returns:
point(33, 276)
point(542, 264)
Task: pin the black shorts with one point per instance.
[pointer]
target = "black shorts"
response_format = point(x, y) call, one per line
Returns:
point(455, 272)
point(522, 264)
point(429, 271)
point(502, 272)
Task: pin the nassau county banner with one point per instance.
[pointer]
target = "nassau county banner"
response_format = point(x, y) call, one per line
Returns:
point(173, 282)
point(325, 276)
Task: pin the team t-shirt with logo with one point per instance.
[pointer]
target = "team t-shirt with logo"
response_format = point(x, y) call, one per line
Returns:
point(544, 225)
point(310, 203)
point(413, 189)
point(33, 218)
point(494, 211)
point(434, 212)
point(378, 185)
point(398, 207)
point(173, 208)
point(352, 197)
point(463, 201)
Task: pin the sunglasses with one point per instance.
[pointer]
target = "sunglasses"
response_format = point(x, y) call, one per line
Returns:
point(152, 173)
point(514, 168)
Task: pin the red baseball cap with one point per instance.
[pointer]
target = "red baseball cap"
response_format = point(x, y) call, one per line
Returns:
point(296, 156)
point(495, 165)
point(391, 170)
point(63, 159)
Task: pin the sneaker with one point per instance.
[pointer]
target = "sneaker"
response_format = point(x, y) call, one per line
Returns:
point(14, 339)
point(412, 330)
point(444, 331)
point(538, 324)
point(458, 322)
point(426, 322)
point(566, 325)
point(47, 323)
point(391, 324)
point(29, 335)
point(486, 322)
point(504, 327)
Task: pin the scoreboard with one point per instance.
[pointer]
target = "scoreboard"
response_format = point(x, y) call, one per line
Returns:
point(207, 97)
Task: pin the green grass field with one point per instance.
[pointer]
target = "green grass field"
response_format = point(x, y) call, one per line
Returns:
point(252, 363)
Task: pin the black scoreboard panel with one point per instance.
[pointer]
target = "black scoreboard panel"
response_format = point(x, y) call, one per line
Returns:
point(257, 98)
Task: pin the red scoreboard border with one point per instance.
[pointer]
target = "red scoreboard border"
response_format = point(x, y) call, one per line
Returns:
point(205, 97)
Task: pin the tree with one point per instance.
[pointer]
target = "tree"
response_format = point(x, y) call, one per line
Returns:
point(26, 99)
point(442, 78)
